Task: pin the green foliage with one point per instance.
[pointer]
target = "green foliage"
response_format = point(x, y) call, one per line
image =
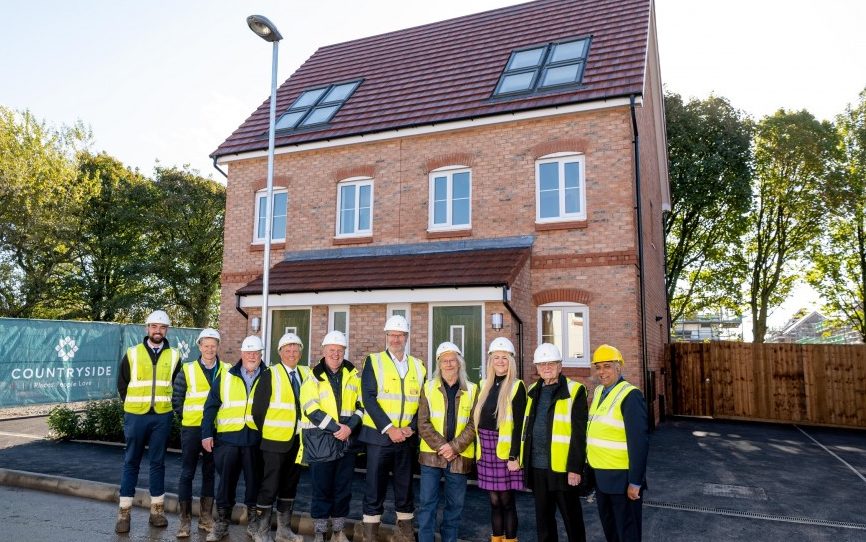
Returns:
point(63, 423)
point(103, 420)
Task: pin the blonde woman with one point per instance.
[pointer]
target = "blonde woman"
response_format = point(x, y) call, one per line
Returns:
point(499, 419)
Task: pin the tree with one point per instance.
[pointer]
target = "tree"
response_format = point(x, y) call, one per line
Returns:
point(709, 148)
point(839, 261)
point(188, 218)
point(794, 157)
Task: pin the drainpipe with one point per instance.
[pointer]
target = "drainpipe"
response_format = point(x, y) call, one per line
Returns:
point(239, 309)
point(224, 174)
point(644, 348)
point(519, 331)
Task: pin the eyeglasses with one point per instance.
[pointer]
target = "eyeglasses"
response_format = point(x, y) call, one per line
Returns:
point(547, 365)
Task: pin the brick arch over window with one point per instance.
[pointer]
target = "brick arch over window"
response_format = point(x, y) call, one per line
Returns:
point(560, 295)
point(571, 144)
point(449, 159)
point(281, 181)
point(365, 170)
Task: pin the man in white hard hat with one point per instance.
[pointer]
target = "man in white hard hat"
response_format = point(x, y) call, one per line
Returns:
point(144, 382)
point(229, 432)
point(276, 411)
point(191, 388)
point(332, 411)
point(390, 387)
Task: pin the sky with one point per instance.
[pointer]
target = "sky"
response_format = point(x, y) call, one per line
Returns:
point(167, 81)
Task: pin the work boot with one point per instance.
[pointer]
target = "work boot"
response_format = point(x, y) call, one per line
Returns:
point(123, 520)
point(252, 519)
point(205, 514)
point(157, 515)
point(184, 509)
point(220, 526)
point(263, 525)
point(320, 527)
point(284, 523)
point(337, 528)
point(404, 531)
point(371, 532)
point(511, 539)
point(494, 538)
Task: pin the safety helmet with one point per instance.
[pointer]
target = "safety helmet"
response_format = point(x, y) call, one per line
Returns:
point(335, 337)
point(397, 323)
point(290, 338)
point(448, 347)
point(501, 344)
point(208, 333)
point(253, 343)
point(545, 353)
point(158, 317)
point(607, 352)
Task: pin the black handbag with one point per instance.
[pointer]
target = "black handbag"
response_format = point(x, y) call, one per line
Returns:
point(586, 487)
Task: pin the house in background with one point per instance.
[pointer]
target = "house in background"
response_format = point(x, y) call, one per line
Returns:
point(812, 327)
point(708, 327)
point(498, 174)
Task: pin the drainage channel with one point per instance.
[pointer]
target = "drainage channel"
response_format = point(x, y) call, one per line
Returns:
point(753, 515)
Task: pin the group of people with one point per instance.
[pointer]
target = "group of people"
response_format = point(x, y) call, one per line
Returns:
point(265, 422)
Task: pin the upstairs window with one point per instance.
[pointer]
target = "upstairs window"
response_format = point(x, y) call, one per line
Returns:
point(355, 207)
point(560, 188)
point(543, 66)
point(316, 106)
point(450, 198)
point(278, 225)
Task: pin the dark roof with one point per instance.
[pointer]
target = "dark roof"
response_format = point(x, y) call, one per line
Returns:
point(447, 71)
point(484, 267)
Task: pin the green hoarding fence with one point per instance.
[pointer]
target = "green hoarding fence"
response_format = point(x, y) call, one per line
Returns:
point(57, 361)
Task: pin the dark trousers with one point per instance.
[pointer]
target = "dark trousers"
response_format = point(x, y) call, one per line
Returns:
point(280, 475)
point(140, 430)
point(620, 516)
point(547, 500)
point(230, 461)
point(332, 487)
point(190, 446)
point(396, 458)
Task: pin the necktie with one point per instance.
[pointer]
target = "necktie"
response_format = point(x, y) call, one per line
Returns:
point(296, 386)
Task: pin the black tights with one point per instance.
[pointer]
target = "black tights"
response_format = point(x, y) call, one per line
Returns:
point(503, 514)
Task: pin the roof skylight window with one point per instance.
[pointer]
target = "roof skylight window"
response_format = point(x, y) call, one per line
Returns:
point(542, 67)
point(316, 106)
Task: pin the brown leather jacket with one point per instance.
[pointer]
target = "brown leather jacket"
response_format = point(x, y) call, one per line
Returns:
point(460, 464)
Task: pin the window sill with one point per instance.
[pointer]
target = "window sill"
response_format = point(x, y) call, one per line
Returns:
point(337, 241)
point(442, 234)
point(260, 247)
point(565, 225)
point(577, 370)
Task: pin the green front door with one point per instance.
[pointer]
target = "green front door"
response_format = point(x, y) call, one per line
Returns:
point(462, 326)
point(294, 321)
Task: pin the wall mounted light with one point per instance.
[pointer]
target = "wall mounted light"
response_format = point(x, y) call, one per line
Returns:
point(255, 324)
point(496, 320)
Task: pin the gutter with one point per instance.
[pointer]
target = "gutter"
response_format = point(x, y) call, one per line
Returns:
point(640, 256)
point(519, 331)
point(238, 305)
point(216, 166)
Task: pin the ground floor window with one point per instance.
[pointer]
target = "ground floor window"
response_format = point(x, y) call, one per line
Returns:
point(567, 326)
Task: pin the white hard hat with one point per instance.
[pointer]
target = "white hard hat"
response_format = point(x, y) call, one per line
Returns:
point(253, 343)
point(208, 333)
point(397, 323)
point(501, 344)
point(546, 352)
point(158, 317)
point(448, 347)
point(290, 338)
point(335, 337)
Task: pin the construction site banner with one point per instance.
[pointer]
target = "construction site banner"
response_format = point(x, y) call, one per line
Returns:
point(56, 361)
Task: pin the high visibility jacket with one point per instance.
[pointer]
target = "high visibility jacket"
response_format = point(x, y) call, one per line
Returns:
point(438, 410)
point(506, 428)
point(317, 394)
point(197, 389)
point(281, 419)
point(398, 397)
point(235, 410)
point(605, 435)
point(560, 431)
point(149, 387)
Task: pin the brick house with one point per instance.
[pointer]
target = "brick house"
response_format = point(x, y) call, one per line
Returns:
point(477, 175)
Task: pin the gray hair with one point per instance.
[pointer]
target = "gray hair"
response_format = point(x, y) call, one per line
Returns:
point(462, 379)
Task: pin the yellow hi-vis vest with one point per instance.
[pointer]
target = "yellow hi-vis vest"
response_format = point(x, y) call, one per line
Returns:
point(506, 428)
point(236, 409)
point(398, 397)
point(560, 434)
point(146, 386)
point(605, 434)
point(438, 409)
point(281, 418)
point(197, 389)
point(317, 394)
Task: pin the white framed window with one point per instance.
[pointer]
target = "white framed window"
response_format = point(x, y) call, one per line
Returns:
point(338, 319)
point(450, 198)
point(403, 310)
point(560, 188)
point(355, 207)
point(567, 326)
point(280, 213)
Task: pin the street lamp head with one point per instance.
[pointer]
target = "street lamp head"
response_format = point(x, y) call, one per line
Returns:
point(264, 28)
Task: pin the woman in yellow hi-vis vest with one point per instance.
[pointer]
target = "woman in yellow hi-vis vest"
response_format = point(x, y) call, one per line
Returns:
point(554, 445)
point(447, 442)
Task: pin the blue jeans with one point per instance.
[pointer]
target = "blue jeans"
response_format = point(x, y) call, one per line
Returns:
point(455, 492)
point(140, 430)
point(190, 445)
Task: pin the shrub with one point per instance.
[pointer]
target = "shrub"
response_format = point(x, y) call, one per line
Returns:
point(63, 423)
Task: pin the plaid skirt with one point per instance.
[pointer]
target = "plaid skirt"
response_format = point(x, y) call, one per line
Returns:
point(493, 473)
